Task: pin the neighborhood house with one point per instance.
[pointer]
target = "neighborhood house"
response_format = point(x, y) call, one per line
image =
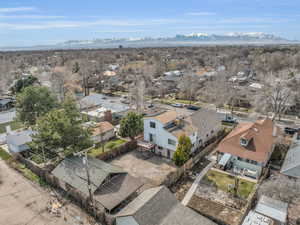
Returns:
point(158, 206)
point(164, 129)
point(110, 185)
point(103, 131)
point(248, 148)
point(291, 164)
point(100, 107)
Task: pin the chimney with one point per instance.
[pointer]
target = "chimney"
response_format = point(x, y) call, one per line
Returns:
point(8, 130)
point(274, 134)
point(108, 116)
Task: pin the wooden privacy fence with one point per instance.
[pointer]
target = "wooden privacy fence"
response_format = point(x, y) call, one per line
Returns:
point(122, 149)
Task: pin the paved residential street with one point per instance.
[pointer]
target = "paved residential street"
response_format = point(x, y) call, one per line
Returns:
point(25, 203)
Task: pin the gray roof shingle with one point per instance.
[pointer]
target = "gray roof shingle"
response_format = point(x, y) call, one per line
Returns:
point(158, 206)
point(291, 164)
point(72, 171)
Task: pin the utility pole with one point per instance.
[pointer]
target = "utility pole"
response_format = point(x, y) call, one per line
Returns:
point(85, 162)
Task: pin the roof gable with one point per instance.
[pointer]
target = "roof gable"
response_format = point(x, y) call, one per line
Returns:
point(72, 171)
point(259, 135)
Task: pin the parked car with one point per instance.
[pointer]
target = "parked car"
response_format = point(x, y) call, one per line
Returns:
point(229, 119)
point(177, 105)
point(193, 107)
point(290, 130)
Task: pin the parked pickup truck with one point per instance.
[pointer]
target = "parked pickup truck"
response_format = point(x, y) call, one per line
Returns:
point(229, 119)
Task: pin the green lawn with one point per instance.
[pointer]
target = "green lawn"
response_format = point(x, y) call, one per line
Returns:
point(21, 168)
point(222, 181)
point(171, 101)
point(107, 147)
point(4, 155)
point(14, 126)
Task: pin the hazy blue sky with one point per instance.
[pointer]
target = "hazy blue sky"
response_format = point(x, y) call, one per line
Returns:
point(31, 22)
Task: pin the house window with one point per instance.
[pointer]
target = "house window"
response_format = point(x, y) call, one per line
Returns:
point(244, 142)
point(152, 124)
point(171, 142)
point(151, 137)
point(253, 162)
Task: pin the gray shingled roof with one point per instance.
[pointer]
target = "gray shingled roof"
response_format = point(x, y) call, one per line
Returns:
point(72, 171)
point(158, 206)
point(291, 164)
point(205, 120)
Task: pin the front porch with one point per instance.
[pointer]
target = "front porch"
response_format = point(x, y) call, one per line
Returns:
point(239, 166)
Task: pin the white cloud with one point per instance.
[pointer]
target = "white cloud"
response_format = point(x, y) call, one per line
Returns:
point(16, 9)
point(119, 31)
point(30, 17)
point(247, 20)
point(41, 25)
point(200, 14)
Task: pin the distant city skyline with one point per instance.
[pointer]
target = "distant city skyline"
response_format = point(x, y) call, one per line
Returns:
point(35, 22)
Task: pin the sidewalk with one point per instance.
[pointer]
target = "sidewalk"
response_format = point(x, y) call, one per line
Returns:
point(194, 186)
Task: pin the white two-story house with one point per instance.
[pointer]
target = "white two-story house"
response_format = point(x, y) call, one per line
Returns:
point(165, 128)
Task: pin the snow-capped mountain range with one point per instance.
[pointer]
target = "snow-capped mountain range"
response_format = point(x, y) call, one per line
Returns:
point(193, 39)
point(196, 37)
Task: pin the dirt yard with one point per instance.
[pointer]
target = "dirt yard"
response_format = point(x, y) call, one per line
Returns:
point(182, 186)
point(25, 203)
point(219, 212)
point(151, 170)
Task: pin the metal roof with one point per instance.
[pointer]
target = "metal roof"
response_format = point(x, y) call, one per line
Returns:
point(72, 171)
point(225, 158)
point(254, 218)
point(291, 164)
point(19, 138)
point(272, 208)
point(5, 101)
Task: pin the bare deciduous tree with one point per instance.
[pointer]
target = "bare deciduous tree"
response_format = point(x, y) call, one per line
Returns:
point(276, 97)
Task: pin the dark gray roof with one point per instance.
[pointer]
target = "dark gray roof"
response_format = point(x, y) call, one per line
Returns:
point(158, 206)
point(19, 138)
point(115, 191)
point(72, 171)
point(291, 164)
point(205, 120)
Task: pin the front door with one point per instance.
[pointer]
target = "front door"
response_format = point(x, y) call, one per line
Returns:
point(168, 154)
